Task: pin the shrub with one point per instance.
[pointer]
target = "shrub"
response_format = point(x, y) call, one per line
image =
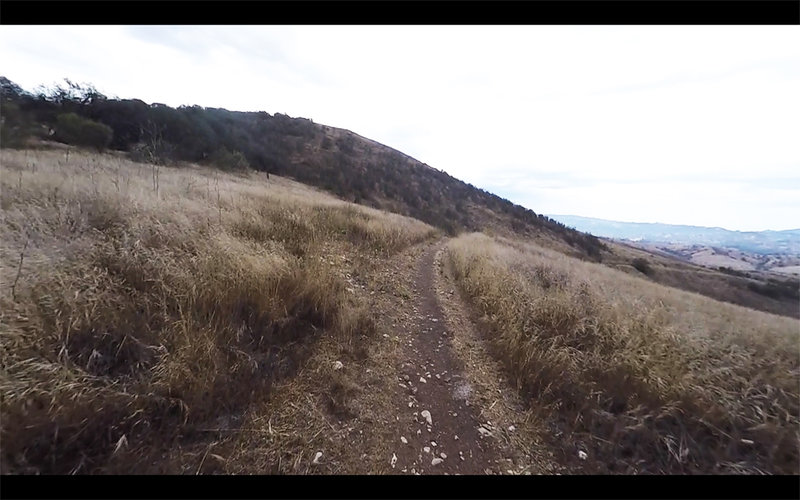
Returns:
point(227, 160)
point(642, 265)
point(73, 129)
point(775, 289)
point(17, 126)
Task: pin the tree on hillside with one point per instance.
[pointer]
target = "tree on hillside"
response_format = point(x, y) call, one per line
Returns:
point(74, 129)
point(70, 94)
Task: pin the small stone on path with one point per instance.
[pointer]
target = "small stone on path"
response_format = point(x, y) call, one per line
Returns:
point(427, 416)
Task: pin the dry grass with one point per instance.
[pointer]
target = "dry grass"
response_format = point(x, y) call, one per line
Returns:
point(523, 449)
point(349, 415)
point(140, 304)
point(642, 377)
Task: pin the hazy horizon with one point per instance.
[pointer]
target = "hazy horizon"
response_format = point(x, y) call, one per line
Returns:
point(687, 125)
point(555, 217)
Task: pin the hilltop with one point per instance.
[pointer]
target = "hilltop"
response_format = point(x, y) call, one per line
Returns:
point(337, 160)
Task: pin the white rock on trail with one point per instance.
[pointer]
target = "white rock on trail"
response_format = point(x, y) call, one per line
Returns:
point(426, 449)
point(582, 455)
point(317, 457)
point(436, 461)
point(442, 455)
point(422, 379)
point(484, 432)
point(338, 365)
point(427, 416)
point(403, 440)
point(511, 428)
point(394, 460)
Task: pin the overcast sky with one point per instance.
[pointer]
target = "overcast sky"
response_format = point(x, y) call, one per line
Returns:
point(673, 124)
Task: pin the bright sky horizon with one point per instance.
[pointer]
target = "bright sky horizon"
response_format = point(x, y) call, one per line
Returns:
point(673, 124)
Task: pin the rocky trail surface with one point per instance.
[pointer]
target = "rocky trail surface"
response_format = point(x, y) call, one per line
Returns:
point(455, 413)
point(442, 433)
point(424, 397)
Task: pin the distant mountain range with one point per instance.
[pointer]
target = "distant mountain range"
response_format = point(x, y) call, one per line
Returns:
point(760, 242)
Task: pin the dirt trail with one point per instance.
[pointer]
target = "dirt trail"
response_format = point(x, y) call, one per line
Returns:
point(366, 416)
point(432, 380)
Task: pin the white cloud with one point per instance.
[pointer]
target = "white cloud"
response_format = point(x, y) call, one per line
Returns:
point(585, 120)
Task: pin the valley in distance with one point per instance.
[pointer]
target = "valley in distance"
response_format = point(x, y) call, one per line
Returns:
point(762, 251)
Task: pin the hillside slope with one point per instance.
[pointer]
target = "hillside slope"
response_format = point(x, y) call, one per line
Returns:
point(641, 378)
point(142, 305)
point(342, 162)
point(339, 161)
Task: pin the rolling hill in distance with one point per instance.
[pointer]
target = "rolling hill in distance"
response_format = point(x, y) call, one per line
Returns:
point(714, 247)
point(761, 242)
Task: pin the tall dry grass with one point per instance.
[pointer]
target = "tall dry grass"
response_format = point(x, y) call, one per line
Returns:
point(642, 377)
point(141, 302)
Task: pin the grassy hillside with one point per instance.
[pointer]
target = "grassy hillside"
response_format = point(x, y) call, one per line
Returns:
point(642, 378)
point(337, 160)
point(139, 303)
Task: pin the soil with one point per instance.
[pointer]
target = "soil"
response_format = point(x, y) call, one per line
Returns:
point(453, 436)
point(376, 423)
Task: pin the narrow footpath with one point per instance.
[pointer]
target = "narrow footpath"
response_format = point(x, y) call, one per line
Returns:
point(441, 433)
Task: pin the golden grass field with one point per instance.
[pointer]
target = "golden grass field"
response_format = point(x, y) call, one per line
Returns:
point(643, 378)
point(144, 308)
point(139, 302)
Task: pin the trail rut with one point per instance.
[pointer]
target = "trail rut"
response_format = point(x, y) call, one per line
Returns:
point(456, 441)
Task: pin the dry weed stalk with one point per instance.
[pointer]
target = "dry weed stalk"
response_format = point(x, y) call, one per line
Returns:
point(19, 268)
